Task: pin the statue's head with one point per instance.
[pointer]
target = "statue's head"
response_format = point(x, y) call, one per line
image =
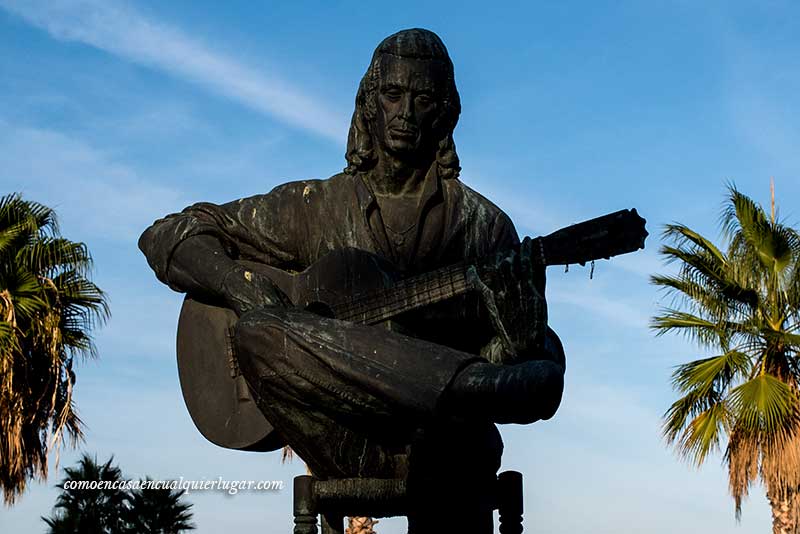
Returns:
point(407, 105)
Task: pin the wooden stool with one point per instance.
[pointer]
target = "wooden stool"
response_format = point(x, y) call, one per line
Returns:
point(374, 497)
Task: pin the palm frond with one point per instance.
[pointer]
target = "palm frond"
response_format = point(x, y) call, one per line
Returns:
point(695, 264)
point(682, 235)
point(13, 208)
point(703, 299)
point(49, 256)
point(742, 457)
point(705, 332)
point(686, 408)
point(765, 405)
point(774, 244)
point(704, 433)
point(714, 372)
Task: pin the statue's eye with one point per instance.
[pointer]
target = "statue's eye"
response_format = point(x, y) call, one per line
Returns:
point(425, 99)
point(392, 94)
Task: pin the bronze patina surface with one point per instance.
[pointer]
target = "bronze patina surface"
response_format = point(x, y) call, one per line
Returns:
point(419, 399)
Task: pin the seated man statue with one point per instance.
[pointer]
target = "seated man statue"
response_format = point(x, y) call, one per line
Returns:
point(418, 400)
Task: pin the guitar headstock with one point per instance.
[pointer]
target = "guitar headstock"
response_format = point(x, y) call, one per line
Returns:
point(600, 238)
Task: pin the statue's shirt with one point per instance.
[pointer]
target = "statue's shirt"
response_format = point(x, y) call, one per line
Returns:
point(298, 222)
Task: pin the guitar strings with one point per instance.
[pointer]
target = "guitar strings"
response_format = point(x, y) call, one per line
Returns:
point(348, 304)
point(416, 297)
point(403, 301)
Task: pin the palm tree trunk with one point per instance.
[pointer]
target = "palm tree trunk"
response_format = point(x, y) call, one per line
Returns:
point(361, 525)
point(785, 511)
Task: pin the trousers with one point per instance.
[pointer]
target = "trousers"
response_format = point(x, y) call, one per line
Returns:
point(361, 401)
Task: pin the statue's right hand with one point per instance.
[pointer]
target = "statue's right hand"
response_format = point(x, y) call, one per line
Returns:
point(245, 290)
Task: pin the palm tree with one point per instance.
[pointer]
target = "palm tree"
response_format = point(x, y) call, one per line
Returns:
point(743, 303)
point(158, 511)
point(112, 508)
point(90, 510)
point(48, 307)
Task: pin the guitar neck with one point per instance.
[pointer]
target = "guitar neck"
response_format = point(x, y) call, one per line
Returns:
point(600, 238)
point(409, 294)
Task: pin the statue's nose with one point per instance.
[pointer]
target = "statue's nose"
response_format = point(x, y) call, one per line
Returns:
point(407, 107)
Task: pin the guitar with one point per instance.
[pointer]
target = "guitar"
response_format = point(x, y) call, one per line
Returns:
point(356, 286)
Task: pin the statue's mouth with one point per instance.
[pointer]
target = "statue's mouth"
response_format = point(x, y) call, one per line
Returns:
point(402, 132)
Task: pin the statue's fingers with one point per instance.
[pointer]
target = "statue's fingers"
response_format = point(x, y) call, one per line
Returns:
point(526, 247)
point(507, 270)
point(527, 268)
point(517, 263)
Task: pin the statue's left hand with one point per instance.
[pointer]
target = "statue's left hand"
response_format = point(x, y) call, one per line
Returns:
point(518, 308)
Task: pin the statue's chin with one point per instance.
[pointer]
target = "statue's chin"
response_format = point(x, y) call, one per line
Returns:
point(401, 148)
point(407, 152)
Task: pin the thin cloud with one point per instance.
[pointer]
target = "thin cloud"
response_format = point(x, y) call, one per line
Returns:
point(122, 31)
point(95, 196)
point(622, 312)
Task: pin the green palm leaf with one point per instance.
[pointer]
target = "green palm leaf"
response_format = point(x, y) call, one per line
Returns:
point(708, 373)
point(683, 234)
point(764, 404)
point(704, 433)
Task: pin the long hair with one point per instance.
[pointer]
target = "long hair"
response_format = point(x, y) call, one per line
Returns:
point(418, 44)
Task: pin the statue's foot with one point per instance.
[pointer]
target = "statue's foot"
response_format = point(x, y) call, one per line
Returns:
point(521, 393)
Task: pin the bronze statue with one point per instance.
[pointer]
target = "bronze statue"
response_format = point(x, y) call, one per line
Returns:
point(417, 320)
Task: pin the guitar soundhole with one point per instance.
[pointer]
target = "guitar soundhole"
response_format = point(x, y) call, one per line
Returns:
point(320, 308)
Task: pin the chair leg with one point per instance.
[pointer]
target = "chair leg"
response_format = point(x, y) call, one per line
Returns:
point(332, 524)
point(510, 502)
point(305, 517)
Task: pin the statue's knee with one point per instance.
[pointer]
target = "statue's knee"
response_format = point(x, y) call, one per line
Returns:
point(257, 332)
point(553, 390)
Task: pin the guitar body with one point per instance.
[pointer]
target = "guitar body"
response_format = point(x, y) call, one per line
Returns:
point(215, 393)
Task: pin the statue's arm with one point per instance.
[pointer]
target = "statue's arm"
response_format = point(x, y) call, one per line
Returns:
point(195, 251)
point(201, 266)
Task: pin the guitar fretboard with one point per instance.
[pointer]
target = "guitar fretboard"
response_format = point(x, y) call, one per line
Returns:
point(405, 295)
point(603, 237)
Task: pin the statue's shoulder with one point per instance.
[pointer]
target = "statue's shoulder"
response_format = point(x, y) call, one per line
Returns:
point(479, 216)
point(313, 188)
point(336, 184)
point(473, 204)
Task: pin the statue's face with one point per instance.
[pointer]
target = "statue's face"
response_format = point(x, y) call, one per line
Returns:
point(409, 101)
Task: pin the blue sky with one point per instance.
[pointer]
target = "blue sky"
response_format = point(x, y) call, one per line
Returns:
point(117, 113)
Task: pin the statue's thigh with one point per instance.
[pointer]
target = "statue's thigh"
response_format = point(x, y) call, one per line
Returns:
point(347, 369)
